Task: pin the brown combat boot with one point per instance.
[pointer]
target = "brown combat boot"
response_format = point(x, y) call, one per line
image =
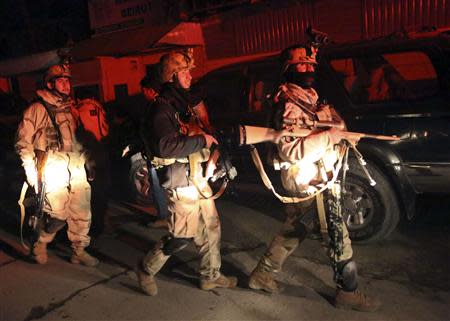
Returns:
point(263, 280)
point(84, 258)
point(146, 281)
point(356, 300)
point(221, 282)
point(40, 252)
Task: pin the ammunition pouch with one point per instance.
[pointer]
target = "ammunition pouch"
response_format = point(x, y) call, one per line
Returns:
point(200, 156)
point(195, 159)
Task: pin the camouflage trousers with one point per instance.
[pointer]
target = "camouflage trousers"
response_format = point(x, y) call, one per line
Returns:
point(300, 220)
point(190, 217)
point(67, 198)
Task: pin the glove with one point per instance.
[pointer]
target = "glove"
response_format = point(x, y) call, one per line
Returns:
point(31, 174)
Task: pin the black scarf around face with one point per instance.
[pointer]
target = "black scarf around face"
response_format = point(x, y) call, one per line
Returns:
point(302, 79)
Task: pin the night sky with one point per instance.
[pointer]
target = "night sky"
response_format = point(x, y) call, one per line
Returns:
point(30, 26)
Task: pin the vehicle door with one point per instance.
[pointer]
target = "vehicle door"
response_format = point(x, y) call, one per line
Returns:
point(398, 93)
point(429, 169)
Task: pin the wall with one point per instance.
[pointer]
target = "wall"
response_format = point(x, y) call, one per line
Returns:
point(383, 17)
point(116, 71)
point(86, 73)
point(278, 26)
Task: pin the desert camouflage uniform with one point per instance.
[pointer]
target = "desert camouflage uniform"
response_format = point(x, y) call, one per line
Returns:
point(67, 196)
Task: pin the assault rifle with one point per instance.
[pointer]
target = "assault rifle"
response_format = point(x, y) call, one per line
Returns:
point(222, 157)
point(36, 219)
point(219, 165)
point(249, 135)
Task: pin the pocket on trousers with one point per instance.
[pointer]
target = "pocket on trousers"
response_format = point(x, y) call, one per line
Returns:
point(185, 213)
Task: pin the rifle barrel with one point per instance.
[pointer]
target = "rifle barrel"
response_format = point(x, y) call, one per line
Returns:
point(380, 137)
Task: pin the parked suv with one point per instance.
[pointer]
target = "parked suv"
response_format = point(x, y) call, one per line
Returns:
point(397, 85)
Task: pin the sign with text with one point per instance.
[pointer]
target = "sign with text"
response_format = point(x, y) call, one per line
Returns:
point(110, 15)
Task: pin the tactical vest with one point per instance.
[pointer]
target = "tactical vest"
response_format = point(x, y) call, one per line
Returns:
point(55, 138)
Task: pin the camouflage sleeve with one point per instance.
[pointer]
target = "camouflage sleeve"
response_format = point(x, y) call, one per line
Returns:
point(309, 149)
point(167, 140)
point(30, 129)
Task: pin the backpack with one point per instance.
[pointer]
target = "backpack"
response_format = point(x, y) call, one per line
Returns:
point(93, 118)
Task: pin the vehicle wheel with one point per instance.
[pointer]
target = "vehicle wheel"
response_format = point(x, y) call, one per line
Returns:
point(371, 212)
point(139, 181)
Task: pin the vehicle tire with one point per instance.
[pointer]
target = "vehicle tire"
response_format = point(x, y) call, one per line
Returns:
point(371, 212)
point(139, 181)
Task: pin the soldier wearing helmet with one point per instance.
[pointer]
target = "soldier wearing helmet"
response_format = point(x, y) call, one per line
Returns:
point(173, 140)
point(306, 165)
point(46, 140)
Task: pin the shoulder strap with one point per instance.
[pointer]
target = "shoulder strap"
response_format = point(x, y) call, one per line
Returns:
point(52, 119)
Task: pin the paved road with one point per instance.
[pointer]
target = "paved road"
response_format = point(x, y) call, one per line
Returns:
point(409, 272)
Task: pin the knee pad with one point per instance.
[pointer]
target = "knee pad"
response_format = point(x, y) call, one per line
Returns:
point(173, 245)
point(53, 225)
point(348, 275)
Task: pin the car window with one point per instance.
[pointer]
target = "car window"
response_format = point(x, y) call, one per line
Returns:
point(387, 77)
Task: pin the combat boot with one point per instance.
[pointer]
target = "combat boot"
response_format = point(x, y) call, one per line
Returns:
point(146, 281)
point(40, 252)
point(263, 280)
point(221, 282)
point(356, 300)
point(84, 258)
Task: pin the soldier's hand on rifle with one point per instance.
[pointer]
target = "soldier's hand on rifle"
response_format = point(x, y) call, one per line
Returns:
point(324, 113)
point(210, 140)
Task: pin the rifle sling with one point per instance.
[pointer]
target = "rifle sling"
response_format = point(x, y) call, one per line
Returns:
point(53, 121)
point(293, 199)
point(212, 196)
point(22, 212)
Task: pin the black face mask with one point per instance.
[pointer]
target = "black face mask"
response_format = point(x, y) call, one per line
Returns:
point(302, 79)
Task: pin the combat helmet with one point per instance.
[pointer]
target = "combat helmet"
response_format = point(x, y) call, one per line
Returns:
point(57, 71)
point(298, 54)
point(174, 62)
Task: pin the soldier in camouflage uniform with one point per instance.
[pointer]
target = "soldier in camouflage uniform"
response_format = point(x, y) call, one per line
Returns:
point(172, 137)
point(48, 127)
point(307, 162)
